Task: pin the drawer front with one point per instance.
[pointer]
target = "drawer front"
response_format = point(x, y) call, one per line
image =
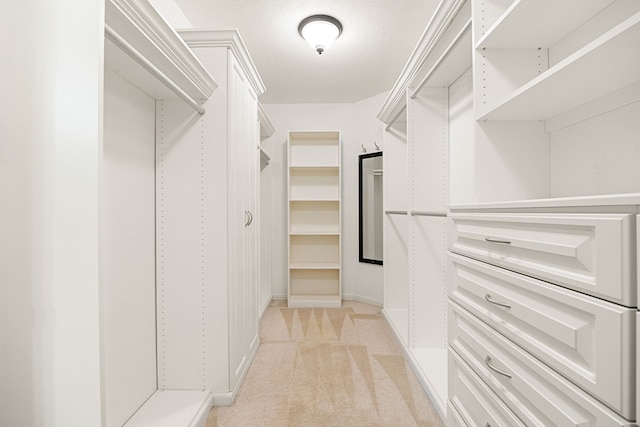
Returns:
point(538, 395)
point(474, 402)
point(587, 340)
point(454, 419)
point(586, 252)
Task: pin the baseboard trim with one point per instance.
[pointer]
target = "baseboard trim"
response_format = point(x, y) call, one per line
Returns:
point(226, 399)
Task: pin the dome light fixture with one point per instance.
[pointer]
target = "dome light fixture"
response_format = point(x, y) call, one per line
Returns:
point(320, 31)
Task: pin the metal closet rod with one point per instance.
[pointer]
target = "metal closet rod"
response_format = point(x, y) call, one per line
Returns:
point(395, 117)
point(444, 55)
point(147, 65)
point(428, 213)
point(395, 212)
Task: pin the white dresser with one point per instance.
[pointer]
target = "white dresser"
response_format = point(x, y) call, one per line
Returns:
point(542, 312)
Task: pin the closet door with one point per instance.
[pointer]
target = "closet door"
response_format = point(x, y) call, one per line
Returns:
point(252, 164)
point(238, 221)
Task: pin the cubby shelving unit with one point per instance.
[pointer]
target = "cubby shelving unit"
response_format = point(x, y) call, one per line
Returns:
point(314, 217)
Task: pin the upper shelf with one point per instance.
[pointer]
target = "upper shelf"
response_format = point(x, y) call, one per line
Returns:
point(156, 45)
point(538, 23)
point(608, 63)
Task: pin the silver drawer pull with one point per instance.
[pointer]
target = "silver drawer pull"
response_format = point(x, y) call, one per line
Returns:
point(492, 301)
point(487, 360)
point(494, 240)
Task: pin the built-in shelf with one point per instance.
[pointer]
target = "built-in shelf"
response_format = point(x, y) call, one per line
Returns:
point(538, 23)
point(314, 240)
point(327, 301)
point(598, 68)
point(149, 36)
point(314, 265)
point(171, 408)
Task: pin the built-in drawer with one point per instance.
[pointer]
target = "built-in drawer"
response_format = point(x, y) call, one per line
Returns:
point(588, 340)
point(474, 402)
point(590, 253)
point(454, 419)
point(538, 395)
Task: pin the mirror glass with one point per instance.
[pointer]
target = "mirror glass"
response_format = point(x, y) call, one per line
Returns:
point(371, 211)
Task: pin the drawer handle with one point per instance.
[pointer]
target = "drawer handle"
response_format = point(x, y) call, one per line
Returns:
point(492, 301)
point(487, 360)
point(494, 240)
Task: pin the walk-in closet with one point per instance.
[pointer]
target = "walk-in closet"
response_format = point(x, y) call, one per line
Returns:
point(320, 213)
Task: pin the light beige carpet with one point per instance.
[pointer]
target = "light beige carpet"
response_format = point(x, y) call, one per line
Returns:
point(327, 367)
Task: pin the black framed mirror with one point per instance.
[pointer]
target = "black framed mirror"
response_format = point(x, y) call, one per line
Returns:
point(370, 207)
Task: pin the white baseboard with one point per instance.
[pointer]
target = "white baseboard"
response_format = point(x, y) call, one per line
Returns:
point(359, 298)
point(226, 399)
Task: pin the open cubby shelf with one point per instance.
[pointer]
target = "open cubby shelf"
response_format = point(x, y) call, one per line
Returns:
point(314, 217)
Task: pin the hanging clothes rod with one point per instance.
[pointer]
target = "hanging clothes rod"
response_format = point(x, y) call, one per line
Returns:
point(395, 212)
point(395, 117)
point(444, 55)
point(428, 213)
point(147, 65)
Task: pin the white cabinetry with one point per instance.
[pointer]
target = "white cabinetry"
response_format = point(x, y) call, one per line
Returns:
point(532, 108)
point(207, 238)
point(570, 335)
point(314, 214)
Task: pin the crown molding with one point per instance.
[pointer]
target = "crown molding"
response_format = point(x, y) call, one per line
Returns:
point(137, 22)
point(231, 40)
point(436, 28)
point(266, 127)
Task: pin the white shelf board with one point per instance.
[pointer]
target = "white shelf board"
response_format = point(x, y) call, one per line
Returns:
point(539, 23)
point(615, 200)
point(314, 266)
point(313, 233)
point(174, 408)
point(314, 166)
point(430, 365)
point(319, 166)
point(589, 73)
point(324, 301)
point(455, 64)
point(299, 199)
point(152, 37)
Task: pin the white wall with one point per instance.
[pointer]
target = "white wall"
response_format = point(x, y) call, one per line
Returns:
point(358, 125)
point(50, 140)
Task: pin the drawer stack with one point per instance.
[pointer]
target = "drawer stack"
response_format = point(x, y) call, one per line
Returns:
point(542, 319)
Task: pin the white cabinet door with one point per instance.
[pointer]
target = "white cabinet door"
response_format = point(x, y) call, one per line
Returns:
point(584, 338)
point(590, 253)
point(538, 395)
point(473, 401)
point(238, 221)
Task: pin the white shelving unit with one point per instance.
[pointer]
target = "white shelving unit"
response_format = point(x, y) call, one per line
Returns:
point(314, 217)
point(146, 64)
point(533, 111)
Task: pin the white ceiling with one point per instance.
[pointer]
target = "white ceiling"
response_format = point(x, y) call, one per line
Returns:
point(378, 37)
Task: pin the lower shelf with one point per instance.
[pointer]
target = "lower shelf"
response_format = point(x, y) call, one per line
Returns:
point(317, 301)
point(429, 364)
point(174, 408)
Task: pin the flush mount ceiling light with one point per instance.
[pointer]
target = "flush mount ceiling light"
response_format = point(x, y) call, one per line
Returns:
point(320, 31)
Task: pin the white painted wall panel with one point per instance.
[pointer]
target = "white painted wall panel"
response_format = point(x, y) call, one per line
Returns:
point(597, 156)
point(50, 138)
point(128, 249)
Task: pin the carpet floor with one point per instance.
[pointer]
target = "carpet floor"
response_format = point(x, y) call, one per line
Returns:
point(327, 367)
